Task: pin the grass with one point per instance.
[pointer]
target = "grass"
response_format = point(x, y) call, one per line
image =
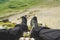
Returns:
point(13, 5)
point(8, 6)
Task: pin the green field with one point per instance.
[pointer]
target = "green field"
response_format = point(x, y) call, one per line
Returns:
point(8, 6)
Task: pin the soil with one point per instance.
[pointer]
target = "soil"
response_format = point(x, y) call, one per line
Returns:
point(49, 16)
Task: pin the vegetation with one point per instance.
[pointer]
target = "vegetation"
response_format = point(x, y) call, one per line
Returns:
point(7, 6)
point(7, 25)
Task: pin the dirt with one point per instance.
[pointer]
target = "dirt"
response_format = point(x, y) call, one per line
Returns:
point(49, 16)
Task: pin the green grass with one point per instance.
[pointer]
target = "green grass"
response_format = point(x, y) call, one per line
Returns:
point(8, 6)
